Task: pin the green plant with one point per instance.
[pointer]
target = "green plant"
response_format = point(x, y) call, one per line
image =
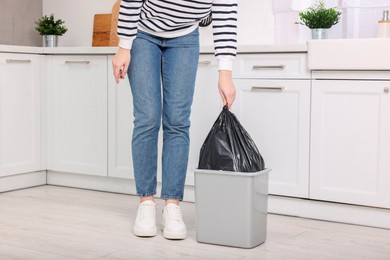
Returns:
point(46, 25)
point(318, 16)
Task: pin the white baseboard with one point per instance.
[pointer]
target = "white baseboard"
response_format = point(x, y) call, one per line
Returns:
point(109, 184)
point(21, 181)
point(321, 210)
point(91, 182)
point(330, 211)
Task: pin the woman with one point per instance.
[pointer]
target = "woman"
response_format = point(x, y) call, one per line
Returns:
point(162, 39)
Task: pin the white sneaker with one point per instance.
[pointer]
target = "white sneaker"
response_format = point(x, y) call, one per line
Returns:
point(172, 221)
point(145, 223)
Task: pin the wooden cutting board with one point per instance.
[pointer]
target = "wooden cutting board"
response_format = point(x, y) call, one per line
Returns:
point(104, 28)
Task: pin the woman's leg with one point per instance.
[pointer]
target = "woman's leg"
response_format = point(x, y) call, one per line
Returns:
point(145, 81)
point(179, 66)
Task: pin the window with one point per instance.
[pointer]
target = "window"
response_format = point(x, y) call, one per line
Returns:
point(359, 19)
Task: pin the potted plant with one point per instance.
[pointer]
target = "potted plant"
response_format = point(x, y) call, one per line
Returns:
point(319, 19)
point(50, 29)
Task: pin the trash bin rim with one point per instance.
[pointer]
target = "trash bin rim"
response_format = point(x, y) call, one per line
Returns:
point(220, 172)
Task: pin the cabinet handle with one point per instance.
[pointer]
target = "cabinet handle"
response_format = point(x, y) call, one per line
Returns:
point(205, 62)
point(77, 62)
point(256, 88)
point(386, 90)
point(17, 61)
point(260, 67)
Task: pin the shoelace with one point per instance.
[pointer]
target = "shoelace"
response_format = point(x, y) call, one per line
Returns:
point(174, 214)
point(145, 211)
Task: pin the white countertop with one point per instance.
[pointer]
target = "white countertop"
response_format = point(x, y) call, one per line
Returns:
point(58, 50)
point(272, 48)
point(80, 50)
point(338, 54)
point(269, 48)
point(21, 49)
point(262, 48)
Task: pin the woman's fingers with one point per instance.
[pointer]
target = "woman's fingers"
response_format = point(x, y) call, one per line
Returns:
point(222, 97)
point(226, 88)
point(120, 64)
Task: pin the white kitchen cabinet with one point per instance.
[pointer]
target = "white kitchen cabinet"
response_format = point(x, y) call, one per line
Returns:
point(206, 107)
point(350, 142)
point(77, 114)
point(276, 113)
point(273, 105)
point(20, 118)
point(120, 126)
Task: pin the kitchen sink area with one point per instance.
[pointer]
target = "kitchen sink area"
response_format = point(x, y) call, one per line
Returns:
point(349, 54)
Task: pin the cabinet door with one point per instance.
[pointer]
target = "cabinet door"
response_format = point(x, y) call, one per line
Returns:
point(120, 126)
point(276, 114)
point(19, 113)
point(205, 109)
point(77, 104)
point(350, 142)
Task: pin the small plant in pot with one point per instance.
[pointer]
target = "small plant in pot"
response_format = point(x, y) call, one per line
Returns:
point(50, 29)
point(319, 19)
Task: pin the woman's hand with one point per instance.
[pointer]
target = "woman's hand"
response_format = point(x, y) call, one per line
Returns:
point(226, 87)
point(120, 64)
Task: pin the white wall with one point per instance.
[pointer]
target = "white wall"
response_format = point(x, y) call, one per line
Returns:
point(78, 16)
point(17, 22)
point(256, 21)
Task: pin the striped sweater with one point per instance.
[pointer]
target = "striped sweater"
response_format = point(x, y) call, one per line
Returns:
point(174, 18)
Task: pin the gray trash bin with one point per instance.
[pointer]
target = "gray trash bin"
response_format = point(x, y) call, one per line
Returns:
point(231, 207)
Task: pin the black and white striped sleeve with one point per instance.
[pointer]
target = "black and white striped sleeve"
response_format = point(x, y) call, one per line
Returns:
point(224, 22)
point(129, 15)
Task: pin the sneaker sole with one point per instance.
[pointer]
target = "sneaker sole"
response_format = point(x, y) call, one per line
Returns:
point(176, 236)
point(145, 233)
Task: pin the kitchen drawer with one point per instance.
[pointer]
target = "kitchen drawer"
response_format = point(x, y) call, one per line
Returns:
point(268, 66)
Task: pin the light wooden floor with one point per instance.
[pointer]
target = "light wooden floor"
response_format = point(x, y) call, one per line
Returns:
point(50, 222)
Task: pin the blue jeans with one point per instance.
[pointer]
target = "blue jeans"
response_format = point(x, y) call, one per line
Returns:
point(162, 76)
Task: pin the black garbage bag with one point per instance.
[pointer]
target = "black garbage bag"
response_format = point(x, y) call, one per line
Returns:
point(228, 147)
